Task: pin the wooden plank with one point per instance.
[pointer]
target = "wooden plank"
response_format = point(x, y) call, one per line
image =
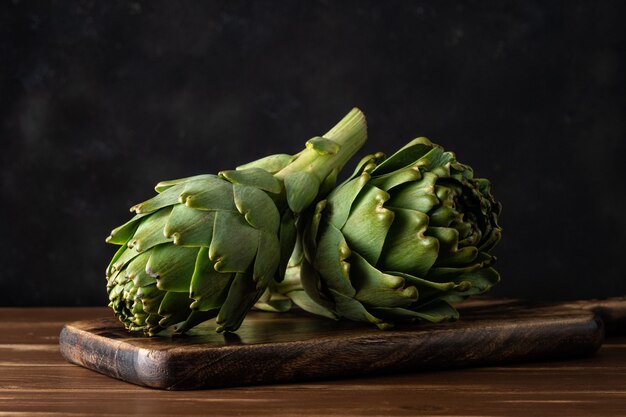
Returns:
point(271, 348)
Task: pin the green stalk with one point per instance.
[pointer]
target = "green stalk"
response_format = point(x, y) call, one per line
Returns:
point(338, 145)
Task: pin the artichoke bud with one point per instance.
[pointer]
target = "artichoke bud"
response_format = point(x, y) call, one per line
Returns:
point(208, 246)
point(401, 239)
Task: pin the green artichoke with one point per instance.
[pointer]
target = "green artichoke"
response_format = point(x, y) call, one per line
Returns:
point(399, 241)
point(208, 246)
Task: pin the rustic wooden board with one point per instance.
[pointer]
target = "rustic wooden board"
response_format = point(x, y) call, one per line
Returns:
point(289, 347)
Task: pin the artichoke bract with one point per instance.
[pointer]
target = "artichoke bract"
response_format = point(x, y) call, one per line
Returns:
point(400, 240)
point(207, 246)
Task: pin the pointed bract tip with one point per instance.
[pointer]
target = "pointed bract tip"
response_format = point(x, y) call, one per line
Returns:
point(384, 326)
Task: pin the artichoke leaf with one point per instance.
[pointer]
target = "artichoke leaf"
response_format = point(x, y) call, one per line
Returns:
point(211, 193)
point(268, 302)
point(189, 227)
point(305, 302)
point(462, 256)
point(466, 235)
point(435, 311)
point(366, 276)
point(150, 292)
point(110, 269)
point(406, 156)
point(352, 309)
point(169, 197)
point(407, 248)
point(254, 177)
point(257, 207)
point(310, 232)
point(164, 185)
point(328, 184)
point(150, 231)
point(136, 271)
point(301, 188)
point(174, 308)
point(311, 283)
point(115, 291)
point(234, 243)
point(436, 161)
point(393, 179)
point(242, 295)
point(208, 288)
point(267, 259)
point(271, 164)
point(377, 288)
point(330, 261)
point(366, 164)
point(119, 277)
point(384, 297)
point(137, 311)
point(418, 195)
point(172, 266)
point(449, 252)
point(480, 280)
point(442, 273)
point(151, 298)
point(122, 234)
point(443, 216)
point(323, 146)
point(368, 209)
point(153, 321)
point(448, 192)
point(490, 240)
point(340, 201)
point(124, 258)
point(426, 289)
point(195, 318)
point(287, 236)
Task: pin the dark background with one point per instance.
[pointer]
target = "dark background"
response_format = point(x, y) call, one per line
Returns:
point(101, 100)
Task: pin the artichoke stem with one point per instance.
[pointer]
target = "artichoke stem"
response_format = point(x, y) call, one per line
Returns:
point(350, 134)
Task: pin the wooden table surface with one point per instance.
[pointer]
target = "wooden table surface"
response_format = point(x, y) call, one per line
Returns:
point(36, 381)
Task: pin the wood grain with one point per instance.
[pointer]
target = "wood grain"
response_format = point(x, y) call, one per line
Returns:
point(271, 348)
point(35, 380)
point(612, 311)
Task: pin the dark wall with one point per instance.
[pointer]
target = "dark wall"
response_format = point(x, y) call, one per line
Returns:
point(101, 100)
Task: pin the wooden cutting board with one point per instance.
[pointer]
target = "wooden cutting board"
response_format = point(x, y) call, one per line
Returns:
point(272, 347)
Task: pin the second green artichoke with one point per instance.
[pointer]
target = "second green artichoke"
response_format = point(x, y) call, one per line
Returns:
point(400, 240)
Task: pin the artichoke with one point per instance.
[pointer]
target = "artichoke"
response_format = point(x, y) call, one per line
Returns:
point(208, 246)
point(399, 241)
